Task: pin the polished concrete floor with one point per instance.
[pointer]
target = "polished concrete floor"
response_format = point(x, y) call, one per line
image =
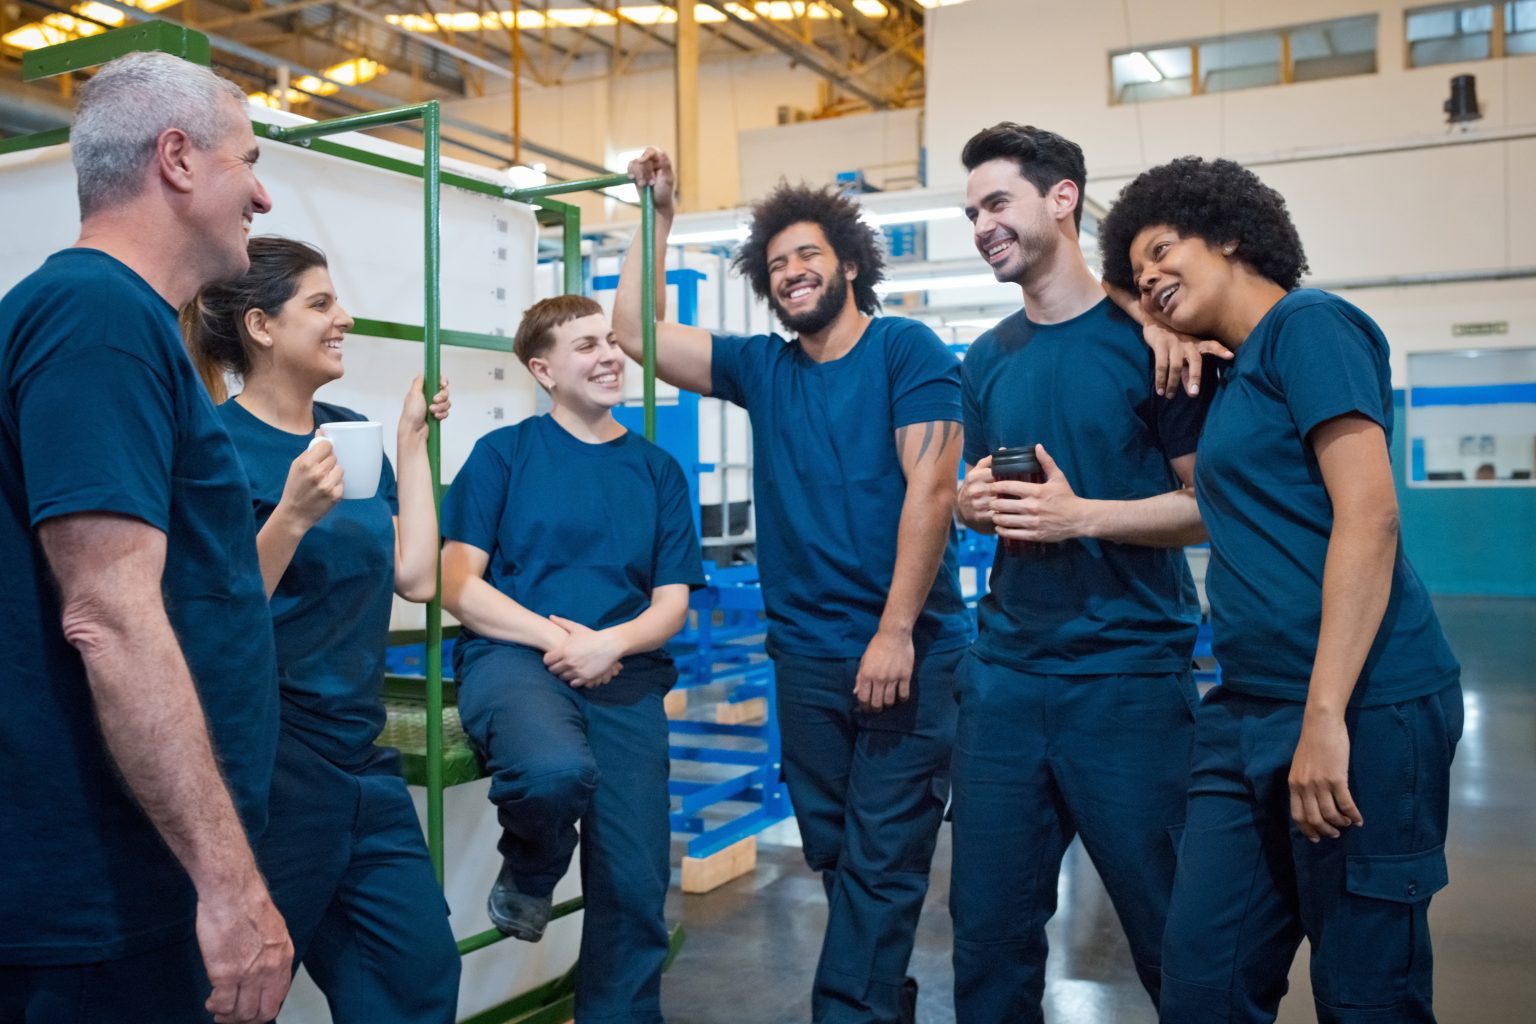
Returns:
point(752, 944)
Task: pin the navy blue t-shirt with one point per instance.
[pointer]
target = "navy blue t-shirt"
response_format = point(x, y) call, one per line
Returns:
point(828, 481)
point(1080, 387)
point(582, 531)
point(102, 411)
point(1312, 358)
point(330, 611)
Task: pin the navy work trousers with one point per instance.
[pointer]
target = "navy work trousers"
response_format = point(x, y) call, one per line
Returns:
point(560, 756)
point(1039, 760)
point(1250, 885)
point(347, 867)
point(869, 790)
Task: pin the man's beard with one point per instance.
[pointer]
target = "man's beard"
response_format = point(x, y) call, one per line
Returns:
point(820, 316)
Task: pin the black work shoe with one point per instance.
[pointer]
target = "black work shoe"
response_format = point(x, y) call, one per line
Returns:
point(909, 1001)
point(514, 913)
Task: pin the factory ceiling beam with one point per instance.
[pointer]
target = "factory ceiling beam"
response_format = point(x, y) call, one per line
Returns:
point(378, 99)
point(257, 13)
point(813, 57)
point(878, 34)
point(430, 41)
point(912, 8)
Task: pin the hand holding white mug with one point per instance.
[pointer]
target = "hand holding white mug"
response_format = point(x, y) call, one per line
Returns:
point(313, 484)
point(359, 450)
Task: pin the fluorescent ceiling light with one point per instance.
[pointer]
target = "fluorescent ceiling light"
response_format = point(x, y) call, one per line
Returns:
point(936, 284)
point(984, 322)
point(736, 234)
point(880, 220)
point(61, 28)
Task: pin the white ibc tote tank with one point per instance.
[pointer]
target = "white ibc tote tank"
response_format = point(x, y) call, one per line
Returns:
point(369, 222)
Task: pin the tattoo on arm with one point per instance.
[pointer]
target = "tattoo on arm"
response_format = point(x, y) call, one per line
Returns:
point(946, 431)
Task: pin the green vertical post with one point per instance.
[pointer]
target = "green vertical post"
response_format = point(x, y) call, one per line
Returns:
point(572, 244)
point(648, 305)
point(431, 169)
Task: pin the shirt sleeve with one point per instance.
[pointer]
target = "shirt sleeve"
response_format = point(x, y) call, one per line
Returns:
point(97, 433)
point(737, 364)
point(388, 490)
point(976, 447)
point(473, 506)
point(1326, 365)
point(677, 545)
point(925, 377)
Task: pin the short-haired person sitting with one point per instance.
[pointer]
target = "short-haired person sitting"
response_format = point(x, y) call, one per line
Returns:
point(1321, 773)
point(343, 850)
point(570, 551)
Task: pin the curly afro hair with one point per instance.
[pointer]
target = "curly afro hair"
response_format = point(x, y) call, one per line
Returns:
point(1216, 200)
point(852, 240)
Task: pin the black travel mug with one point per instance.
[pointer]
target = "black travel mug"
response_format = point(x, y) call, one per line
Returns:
point(1019, 464)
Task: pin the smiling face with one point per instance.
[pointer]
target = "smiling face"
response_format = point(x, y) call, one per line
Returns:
point(807, 285)
point(228, 197)
point(1183, 281)
point(583, 367)
point(304, 340)
point(1014, 227)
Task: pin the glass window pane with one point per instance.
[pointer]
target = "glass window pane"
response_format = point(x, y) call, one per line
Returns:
point(1143, 75)
point(1240, 62)
point(1430, 25)
point(1472, 417)
point(1450, 51)
point(1520, 16)
point(1334, 49)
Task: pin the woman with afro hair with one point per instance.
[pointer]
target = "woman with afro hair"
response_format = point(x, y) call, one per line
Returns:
point(1320, 779)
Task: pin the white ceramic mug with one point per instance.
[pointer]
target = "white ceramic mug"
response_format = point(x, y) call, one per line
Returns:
point(359, 448)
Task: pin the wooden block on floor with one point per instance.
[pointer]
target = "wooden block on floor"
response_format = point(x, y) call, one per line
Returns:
point(702, 874)
point(747, 712)
point(676, 703)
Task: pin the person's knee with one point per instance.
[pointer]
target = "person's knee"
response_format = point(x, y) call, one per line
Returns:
point(548, 786)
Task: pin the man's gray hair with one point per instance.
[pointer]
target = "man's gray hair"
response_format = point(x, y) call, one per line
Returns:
point(124, 109)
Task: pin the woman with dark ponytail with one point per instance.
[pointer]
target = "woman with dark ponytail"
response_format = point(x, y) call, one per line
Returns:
point(343, 851)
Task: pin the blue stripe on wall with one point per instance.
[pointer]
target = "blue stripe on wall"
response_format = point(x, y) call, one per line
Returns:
point(1475, 394)
point(1466, 540)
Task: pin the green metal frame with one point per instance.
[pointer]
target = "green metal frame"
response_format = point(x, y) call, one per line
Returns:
point(550, 1003)
point(79, 54)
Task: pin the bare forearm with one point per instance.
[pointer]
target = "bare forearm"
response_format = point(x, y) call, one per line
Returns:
point(152, 721)
point(1127, 303)
point(1168, 520)
point(626, 305)
point(652, 628)
point(275, 544)
point(490, 613)
point(921, 537)
point(1357, 582)
point(416, 530)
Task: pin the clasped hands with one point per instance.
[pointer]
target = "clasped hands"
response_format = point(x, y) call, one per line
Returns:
point(584, 657)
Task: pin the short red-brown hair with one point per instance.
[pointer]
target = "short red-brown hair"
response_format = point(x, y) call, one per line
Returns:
point(536, 333)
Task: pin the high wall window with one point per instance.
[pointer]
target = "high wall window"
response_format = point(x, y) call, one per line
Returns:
point(1299, 53)
point(1451, 33)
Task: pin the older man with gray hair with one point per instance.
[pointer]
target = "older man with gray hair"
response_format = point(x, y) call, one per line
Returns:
point(139, 713)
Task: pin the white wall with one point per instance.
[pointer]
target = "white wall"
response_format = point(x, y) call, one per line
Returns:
point(885, 145)
point(1425, 209)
